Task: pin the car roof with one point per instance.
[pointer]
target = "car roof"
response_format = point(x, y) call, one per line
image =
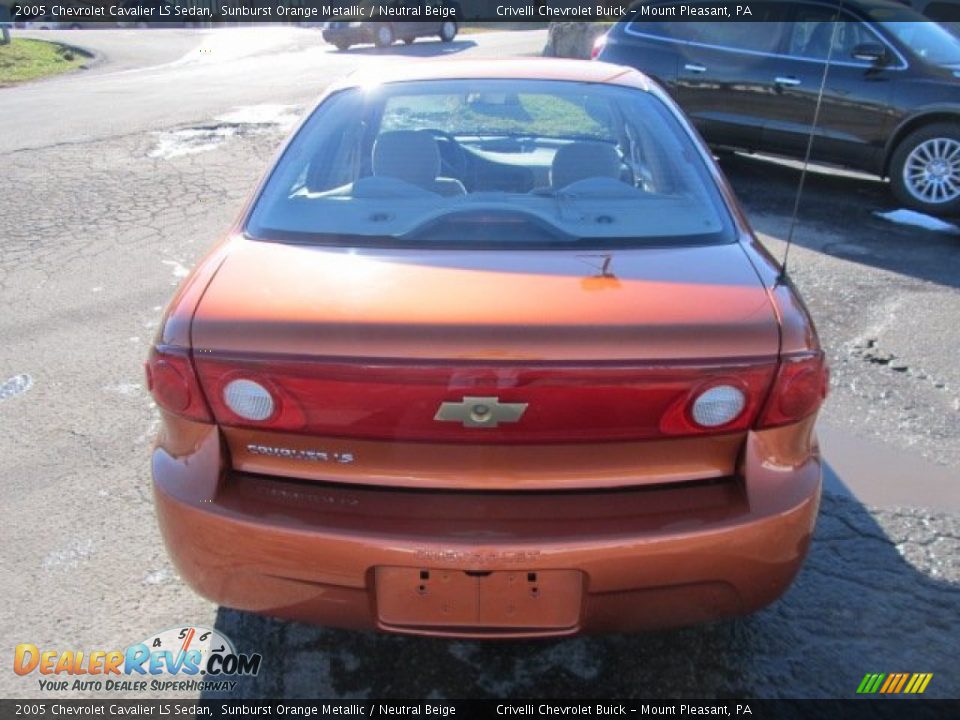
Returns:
point(534, 68)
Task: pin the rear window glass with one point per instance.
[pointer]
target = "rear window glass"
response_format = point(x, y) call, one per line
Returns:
point(492, 163)
point(541, 114)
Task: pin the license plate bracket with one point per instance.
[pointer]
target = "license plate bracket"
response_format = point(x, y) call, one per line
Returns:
point(429, 597)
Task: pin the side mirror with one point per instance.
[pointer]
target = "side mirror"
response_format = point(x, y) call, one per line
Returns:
point(870, 52)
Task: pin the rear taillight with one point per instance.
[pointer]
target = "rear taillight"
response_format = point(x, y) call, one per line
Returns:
point(725, 404)
point(528, 403)
point(718, 406)
point(798, 391)
point(598, 46)
point(249, 400)
point(174, 385)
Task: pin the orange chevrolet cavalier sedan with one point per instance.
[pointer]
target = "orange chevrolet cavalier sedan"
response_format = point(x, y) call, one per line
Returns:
point(492, 352)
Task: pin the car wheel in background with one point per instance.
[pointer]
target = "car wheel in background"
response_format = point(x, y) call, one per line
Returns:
point(448, 31)
point(925, 169)
point(409, 40)
point(384, 35)
point(342, 46)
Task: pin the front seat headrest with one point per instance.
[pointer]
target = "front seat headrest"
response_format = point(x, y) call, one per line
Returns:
point(582, 160)
point(407, 155)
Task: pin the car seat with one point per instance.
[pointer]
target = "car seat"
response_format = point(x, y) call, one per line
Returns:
point(413, 156)
point(581, 160)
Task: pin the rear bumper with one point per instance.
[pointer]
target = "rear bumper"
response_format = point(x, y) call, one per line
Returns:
point(647, 558)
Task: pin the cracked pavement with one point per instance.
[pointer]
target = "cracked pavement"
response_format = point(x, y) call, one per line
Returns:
point(97, 230)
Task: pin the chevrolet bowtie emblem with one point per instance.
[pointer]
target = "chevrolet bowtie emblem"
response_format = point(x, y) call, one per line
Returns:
point(480, 412)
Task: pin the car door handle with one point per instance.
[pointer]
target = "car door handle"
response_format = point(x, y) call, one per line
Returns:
point(786, 81)
point(695, 68)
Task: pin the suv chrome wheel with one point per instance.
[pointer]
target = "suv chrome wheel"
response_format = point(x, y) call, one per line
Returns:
point(924, 169)
point(931, 172)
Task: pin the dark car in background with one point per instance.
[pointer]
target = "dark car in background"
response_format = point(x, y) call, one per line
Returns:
point(891, 101)
point(384, 33)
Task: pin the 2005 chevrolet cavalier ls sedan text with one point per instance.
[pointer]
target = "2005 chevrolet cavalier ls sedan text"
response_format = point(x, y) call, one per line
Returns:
point(492, 352)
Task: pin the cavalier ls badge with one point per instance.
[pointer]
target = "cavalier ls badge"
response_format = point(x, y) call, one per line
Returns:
point(480, 412)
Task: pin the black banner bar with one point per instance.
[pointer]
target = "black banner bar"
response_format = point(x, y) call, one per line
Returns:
point(854, 709)
point(207, 12)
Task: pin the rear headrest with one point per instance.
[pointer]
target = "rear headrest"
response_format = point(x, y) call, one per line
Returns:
point(582, 160)
point(408, 155)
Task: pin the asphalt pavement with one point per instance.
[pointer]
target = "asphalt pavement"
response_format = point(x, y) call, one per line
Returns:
point(117, 180)
point(189, 76)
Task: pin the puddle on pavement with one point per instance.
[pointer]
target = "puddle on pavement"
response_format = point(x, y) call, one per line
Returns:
point(239, 122)
point(177, 143)
point(885, 476)
point(17, 385)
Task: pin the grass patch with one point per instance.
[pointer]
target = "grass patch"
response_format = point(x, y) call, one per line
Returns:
point(24, 60)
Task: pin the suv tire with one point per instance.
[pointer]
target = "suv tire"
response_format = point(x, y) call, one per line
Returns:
point(925, 169)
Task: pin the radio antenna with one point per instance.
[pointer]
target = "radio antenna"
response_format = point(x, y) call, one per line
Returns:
point(806, 157)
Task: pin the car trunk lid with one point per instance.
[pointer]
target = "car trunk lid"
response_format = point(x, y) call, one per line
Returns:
point(651, 305)
point(373, 359)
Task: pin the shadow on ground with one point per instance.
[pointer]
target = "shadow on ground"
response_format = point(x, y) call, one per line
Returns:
point(837, 217)
point(859, 605)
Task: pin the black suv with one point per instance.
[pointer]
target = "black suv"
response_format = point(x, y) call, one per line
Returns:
point(891, 103)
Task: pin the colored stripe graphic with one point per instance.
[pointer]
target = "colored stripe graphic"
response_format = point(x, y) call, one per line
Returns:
point(870, 683)
point(891, 681)
point(918, 683)
point(894, 683)
point(903, 681)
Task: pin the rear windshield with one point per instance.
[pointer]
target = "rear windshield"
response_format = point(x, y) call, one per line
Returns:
point(491, 163)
